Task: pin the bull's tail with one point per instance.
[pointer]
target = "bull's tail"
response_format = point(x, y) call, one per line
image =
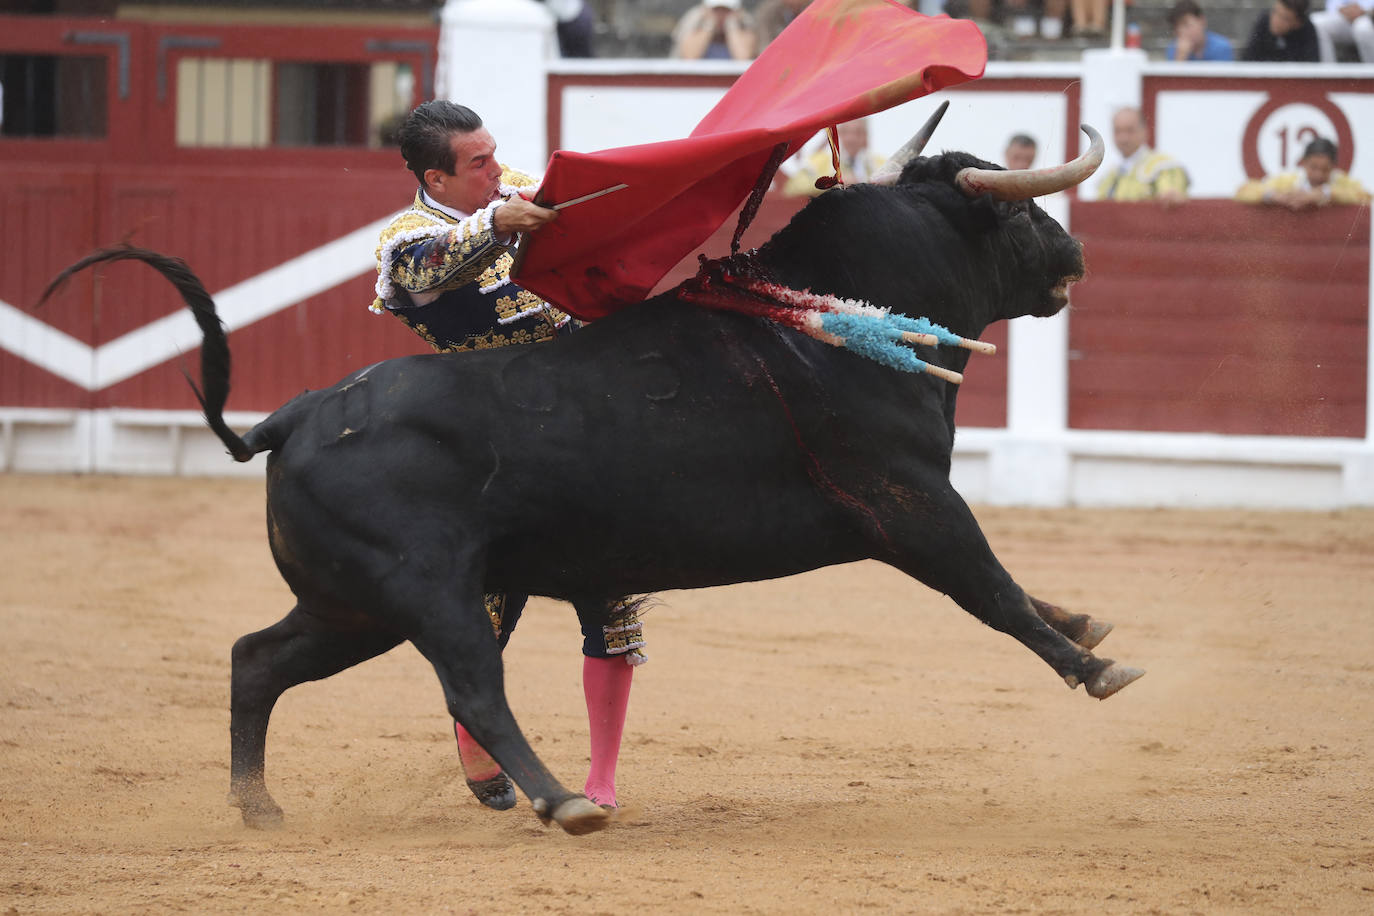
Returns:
point(213, 390)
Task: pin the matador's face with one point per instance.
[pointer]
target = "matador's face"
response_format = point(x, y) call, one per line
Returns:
point(476, 177)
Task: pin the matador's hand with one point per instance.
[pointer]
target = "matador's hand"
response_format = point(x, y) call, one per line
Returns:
point(519, 215)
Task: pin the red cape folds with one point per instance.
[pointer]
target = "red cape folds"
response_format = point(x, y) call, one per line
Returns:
point(839, 60)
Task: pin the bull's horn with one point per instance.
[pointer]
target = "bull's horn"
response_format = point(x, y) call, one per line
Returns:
point(1022, 184)
point(910, 150)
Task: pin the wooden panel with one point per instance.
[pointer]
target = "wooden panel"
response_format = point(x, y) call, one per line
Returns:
point(1220, 317)
point(312, 345)
point(983, 394)
point(1228, 257)
point(315, 344)
point(230, 213)
point(1188, 298)
point(24, 384)
point(121, 49)
point(47, 221)
point(230, 228)
point(1144, 411)
point(250, 56)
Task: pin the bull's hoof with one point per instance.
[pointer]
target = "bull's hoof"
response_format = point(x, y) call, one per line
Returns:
point(580, 815)
point(1094, 633)
point(259, 811)
point(496, 792)
point(577, 815)
point(1111, 679)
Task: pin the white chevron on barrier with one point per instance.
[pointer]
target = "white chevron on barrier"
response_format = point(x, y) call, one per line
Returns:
point(277, 288)
point(46, 347)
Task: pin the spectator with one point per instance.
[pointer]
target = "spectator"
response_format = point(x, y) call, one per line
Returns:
point(1347, 24)
point(715, 30)
point(1052, 13)
point(575, 27)
point(857, 161)
point(1143, 173)
point(1316, 183)
point(1020, 152)
point(1192, 40)
point(1285, 34)
point(1036, 17)
point(1089, 18)
point(980, 11)
point(772, 16)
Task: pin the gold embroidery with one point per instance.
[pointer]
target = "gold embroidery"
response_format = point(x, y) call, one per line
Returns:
point(420, 329)
point(523, 301)
point(498, 272)
point(624, 631)
point(516, 178)
point(496, 609)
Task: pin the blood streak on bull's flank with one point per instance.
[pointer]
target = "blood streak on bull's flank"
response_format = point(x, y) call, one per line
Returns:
point(814, 469)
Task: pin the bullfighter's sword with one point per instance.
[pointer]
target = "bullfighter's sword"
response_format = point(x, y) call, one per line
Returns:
point(586, 197)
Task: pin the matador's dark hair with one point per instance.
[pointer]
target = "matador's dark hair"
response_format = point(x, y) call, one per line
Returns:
point(425, 135)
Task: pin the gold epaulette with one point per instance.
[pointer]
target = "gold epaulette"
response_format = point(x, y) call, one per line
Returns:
point(410, 220)
point(516, 178)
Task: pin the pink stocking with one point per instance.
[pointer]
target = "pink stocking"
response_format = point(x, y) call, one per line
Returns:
point(606, 683)
point(477, 763)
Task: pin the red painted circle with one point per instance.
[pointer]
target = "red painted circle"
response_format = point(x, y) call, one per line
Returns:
point(1249, 144)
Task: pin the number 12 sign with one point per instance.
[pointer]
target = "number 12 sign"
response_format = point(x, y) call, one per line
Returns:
point(1281, 128)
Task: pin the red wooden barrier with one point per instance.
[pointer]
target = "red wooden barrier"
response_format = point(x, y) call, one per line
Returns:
point(230, 212)
point(1220, 317)
point(229, 226)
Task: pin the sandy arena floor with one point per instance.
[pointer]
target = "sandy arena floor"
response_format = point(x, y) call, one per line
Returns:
point(836, 742)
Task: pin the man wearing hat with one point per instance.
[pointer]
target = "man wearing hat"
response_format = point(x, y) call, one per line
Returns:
point(772, 16)
point(715, 30)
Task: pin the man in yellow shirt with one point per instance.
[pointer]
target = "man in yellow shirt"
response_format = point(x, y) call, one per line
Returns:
point(857, 161)
point(1316, 183)
point(1143, 173)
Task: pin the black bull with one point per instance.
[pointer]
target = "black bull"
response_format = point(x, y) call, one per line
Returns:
point(666, 447)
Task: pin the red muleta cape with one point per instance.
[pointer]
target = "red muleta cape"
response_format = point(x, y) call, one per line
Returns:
point(839, 60)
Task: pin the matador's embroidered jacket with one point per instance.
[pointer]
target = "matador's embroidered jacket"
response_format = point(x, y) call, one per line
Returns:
point(448, 279)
